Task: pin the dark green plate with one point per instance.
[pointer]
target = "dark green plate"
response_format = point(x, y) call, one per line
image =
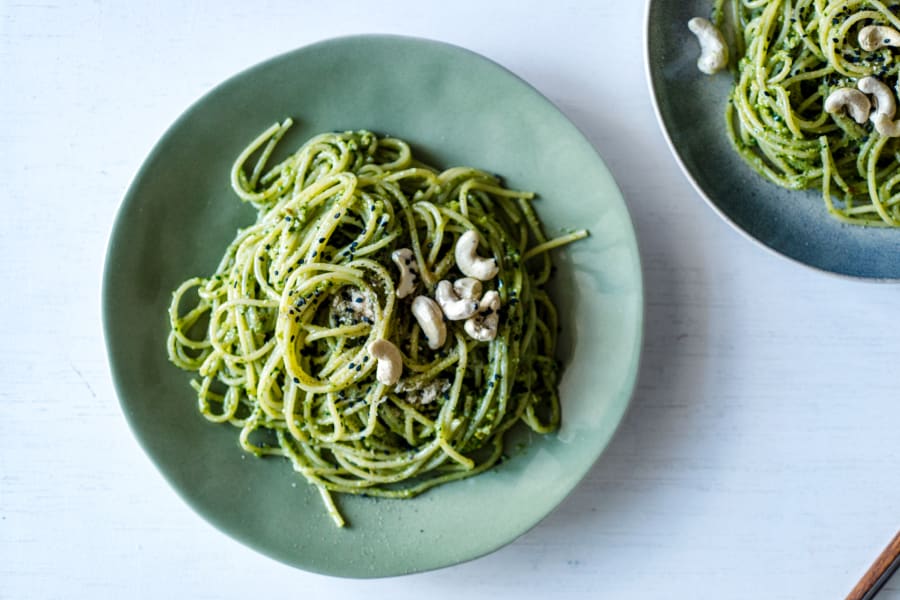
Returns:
point(456, 108)
point(691, 107)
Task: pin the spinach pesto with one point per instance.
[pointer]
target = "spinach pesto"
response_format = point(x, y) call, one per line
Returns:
point(813, 101)
point(382, 324)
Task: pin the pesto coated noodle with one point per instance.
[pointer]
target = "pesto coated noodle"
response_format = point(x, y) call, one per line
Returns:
point(278, 335)
point(792, 54)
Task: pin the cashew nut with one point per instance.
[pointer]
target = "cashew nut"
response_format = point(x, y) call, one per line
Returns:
point(884, 98)
point(854, 101)
point(886, 127)
point(409, 271)
point(713, 49)
point(483, 326)
point(390, 363)
point(885, 106)
point(469, 262)
point(467, 287)
point(873, 37)
point(456, 308)
point(430, 318)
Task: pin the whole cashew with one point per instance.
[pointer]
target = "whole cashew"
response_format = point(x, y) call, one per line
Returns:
point(885, 106)
point(455, 308)
point(713, 49)
point(483, 326)
point(469, 262)
point(873, 37)
point(390, 363)
point(409, 271)
point(854, 101)
point(430, 318)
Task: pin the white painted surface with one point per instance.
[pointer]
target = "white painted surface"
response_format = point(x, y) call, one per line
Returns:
point(759, 459)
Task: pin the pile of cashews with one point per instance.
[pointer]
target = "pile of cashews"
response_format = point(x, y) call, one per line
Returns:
point(856, 102)
point(456, 301)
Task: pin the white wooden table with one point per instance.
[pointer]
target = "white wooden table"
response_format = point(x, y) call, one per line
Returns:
point(759, 458)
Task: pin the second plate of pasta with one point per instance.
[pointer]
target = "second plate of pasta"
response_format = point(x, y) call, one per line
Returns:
point(756, 139)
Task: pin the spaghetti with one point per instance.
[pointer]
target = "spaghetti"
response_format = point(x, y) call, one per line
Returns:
point(278, 335)
point(791, 55)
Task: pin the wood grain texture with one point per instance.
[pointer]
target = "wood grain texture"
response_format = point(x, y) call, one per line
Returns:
point(755, 461)
point(882, 568)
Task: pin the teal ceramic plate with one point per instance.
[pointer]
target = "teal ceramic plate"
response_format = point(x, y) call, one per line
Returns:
point(691, 106)
point(455, 107)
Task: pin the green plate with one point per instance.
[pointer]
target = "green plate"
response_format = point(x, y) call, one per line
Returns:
point(455, 108)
